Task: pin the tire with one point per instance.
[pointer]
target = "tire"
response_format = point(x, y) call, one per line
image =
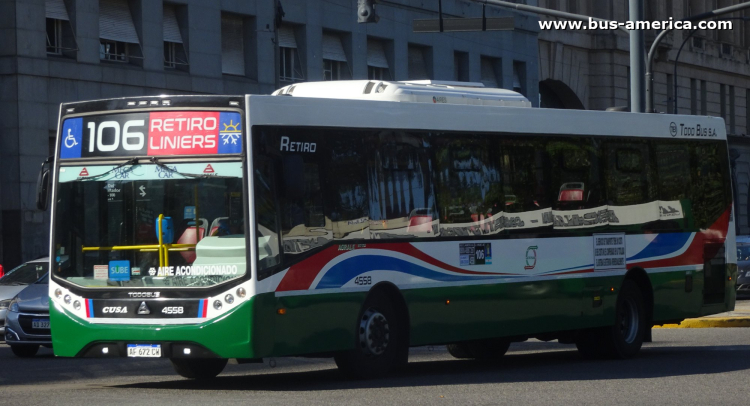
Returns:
point(484, 350)
point(625, 338)
point(381, 343)
point(202, 369)
point(24, 351)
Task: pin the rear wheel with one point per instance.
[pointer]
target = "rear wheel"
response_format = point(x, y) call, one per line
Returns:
point(24, 351)
point(625, 338)
point(380, 342)
point(199, 368)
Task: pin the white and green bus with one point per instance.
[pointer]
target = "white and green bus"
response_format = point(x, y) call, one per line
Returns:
point(357, 219)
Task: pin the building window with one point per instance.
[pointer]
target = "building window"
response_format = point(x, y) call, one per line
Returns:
point(290, 66)
point(693, 96)
point(704, 98)
point(461, 66)
point(174, 50)
point(113, 51)
point(491, 72)
point(232, 45)
point(332, 69)
point(519, 77)
point(418, 63)
point(375, 73)
point(118, 39)
point(335, 66)
point(54, 36)
point(377, 62)
point(59, 32)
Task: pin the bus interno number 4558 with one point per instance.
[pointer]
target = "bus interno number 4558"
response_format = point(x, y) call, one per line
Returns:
point(202, 229)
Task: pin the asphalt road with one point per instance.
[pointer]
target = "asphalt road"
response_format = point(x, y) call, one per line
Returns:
point(681, 366)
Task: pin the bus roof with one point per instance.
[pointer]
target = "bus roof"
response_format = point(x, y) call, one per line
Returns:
point(328, 108)
point(417, 91)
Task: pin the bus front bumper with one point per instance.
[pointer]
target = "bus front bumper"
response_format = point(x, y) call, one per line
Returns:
point(229, 336)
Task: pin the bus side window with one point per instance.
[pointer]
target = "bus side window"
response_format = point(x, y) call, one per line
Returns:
point(525, 176)
point(470, 193)
point(628, 174)
point(266, 217)
point(345, 186)
point(402, 202)
point(576, 177)
point(711, 194)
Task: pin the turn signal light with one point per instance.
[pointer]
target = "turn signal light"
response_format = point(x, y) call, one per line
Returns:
point(281, 311)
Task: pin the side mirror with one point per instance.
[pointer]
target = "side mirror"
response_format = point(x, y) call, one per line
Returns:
point(293, 173)
point(42, 185)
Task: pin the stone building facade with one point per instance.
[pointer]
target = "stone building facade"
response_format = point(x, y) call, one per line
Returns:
point(54, 51)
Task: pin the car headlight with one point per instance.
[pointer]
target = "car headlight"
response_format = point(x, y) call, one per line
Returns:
point(5, 303)
point(13, 307)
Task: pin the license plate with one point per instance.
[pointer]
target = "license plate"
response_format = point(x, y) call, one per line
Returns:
point(40, 324)
point(144, 350)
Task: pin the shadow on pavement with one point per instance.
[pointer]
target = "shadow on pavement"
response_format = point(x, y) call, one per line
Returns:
point(534, 367)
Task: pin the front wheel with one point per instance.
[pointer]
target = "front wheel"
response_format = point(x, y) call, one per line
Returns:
point(24, 351)
point(380, 341)
point(199, 368)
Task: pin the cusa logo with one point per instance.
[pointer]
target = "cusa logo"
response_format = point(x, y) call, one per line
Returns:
point(115, 309)
point(531, 257)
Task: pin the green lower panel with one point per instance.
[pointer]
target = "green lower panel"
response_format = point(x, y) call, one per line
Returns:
point(328, 322)
point(228, 336)
point(317, 323)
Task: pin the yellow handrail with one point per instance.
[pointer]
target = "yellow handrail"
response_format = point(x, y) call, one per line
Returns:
point(162, 248)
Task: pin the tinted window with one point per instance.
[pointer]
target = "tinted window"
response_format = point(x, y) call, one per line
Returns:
point(469, 185)
point(25, 274)
point(402, 201)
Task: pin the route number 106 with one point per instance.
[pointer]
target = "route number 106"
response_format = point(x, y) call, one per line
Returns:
point(131, 140)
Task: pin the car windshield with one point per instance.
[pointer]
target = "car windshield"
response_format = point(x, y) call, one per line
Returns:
point(44, 280)
point(743, 253)
point(25, 274)
point(107, 227)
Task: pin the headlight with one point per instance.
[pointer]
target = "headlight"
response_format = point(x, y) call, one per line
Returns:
point(5, 303)
point(13, 305)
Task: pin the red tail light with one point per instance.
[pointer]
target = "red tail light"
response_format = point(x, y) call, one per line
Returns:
point(571, 195)
point(2, 272)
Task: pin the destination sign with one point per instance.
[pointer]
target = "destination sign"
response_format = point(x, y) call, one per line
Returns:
point(152, 134)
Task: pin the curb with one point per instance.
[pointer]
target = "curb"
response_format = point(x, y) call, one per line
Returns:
point(710, 322)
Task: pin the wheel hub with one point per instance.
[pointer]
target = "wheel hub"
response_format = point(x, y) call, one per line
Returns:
point(374, 332)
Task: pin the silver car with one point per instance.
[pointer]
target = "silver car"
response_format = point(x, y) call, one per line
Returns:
point(15, 281)
point(27, 321)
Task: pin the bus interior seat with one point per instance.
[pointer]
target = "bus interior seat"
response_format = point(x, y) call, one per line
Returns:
point(215, 225)
point(189, 237)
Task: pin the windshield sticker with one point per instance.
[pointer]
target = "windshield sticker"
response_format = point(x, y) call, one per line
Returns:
point(149, 172)
point(152, 134)
point(195, 270)
point(101, 272)
point(135, 271)
point(119, 270)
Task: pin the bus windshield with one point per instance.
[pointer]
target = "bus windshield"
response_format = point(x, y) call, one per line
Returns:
point(107, 223)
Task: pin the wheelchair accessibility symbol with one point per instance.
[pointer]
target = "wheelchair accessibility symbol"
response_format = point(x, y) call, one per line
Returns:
point(70, 140)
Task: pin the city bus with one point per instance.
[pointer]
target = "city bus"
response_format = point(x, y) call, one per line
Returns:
point(357, 219)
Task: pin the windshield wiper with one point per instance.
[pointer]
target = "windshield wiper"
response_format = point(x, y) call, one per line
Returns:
point(18, 283)
point(131, 162)
point(156, 162)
